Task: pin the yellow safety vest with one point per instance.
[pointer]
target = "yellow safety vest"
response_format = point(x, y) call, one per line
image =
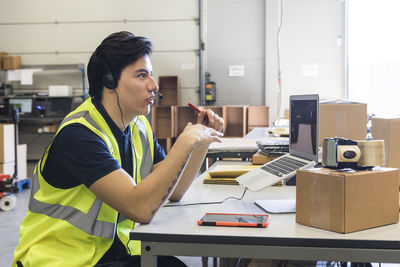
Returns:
point(72, 227)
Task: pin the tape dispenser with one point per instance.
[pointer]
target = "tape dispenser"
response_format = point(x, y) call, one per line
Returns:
point(340, 153)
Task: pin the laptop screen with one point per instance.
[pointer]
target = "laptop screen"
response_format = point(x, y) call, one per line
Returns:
point(303, 124)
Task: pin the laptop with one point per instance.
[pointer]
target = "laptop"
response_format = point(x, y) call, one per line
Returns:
point(303, 146)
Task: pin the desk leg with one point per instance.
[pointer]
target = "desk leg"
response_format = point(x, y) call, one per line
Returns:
point(215, 262)
point(204, 261)
point(147, 257)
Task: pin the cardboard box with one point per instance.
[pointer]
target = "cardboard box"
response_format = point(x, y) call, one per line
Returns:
point(2, 54)
point(342, 119)
point(287, 113)
point(260, 159)
point(7, 143)
point(60, 90)
point(11, 62)
point(388, 129)
point(7, 168)
point(346, 202)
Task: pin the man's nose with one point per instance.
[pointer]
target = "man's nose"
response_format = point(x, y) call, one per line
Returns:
point(153, 84)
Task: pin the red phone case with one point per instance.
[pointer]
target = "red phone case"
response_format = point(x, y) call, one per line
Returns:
point(226, 223)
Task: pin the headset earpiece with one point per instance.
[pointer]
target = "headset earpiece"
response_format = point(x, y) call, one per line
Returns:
point(108, 79)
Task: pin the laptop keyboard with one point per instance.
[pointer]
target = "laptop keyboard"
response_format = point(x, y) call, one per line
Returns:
point(283, 165)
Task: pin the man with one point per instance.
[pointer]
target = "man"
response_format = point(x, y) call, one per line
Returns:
point(105, 170)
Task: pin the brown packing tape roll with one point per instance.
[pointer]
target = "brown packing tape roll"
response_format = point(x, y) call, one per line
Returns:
point(372, 153)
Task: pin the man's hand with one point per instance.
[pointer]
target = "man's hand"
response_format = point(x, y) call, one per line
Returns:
point(213, 120)
point(199, 135)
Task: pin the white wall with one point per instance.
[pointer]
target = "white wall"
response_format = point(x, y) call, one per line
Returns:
point(67, 32)
point(308, 40)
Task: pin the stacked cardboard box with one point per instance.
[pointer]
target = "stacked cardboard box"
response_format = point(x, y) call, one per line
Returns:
point(11, 62)
point(2, 55)
point(388, 129)
point(342, 119)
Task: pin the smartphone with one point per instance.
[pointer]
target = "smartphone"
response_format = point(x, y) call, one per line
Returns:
point(234, 219)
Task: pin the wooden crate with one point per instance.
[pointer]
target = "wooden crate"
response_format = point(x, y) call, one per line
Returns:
point(217, 109)
point(257, 116)
point(183, 115)
point(170, 89)
point(162, 119)
point(166, 143)
point(235, 118)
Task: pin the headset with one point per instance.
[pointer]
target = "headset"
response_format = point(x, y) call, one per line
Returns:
point(111, 83)
point(109, 80)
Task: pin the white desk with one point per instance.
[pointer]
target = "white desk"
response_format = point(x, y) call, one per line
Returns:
point(174, 231)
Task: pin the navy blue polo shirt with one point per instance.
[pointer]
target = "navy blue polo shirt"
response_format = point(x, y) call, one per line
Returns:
point(79, 156)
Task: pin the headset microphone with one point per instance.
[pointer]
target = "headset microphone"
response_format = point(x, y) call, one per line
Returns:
point(159, 94)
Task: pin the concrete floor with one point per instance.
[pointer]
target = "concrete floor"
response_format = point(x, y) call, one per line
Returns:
point(9, 230)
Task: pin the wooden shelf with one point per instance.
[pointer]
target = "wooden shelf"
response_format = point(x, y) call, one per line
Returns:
point(170, 89)
point(235, 118)
point(162, 120)
point(257, 116)
point(183, 115)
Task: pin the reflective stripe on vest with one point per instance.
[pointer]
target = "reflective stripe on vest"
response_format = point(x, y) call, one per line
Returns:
point(86, 222)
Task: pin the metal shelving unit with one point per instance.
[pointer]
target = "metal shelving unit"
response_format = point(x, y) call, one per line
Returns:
point(45, 109)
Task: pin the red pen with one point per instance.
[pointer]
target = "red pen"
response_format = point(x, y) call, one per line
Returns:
point(205, 119)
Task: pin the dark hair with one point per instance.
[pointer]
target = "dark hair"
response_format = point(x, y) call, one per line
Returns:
point(115, 52)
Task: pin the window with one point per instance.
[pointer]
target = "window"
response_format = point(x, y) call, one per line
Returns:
point(374, 54)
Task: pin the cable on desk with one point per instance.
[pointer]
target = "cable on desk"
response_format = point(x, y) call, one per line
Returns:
point(206, 203)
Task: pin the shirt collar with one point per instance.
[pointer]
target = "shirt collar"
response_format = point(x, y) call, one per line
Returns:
point(117, 132)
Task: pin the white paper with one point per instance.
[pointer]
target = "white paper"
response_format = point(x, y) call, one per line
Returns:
point(187, 66)
point(27, 76)
point(14, 75)
point(277, 205)
point(236, 70)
